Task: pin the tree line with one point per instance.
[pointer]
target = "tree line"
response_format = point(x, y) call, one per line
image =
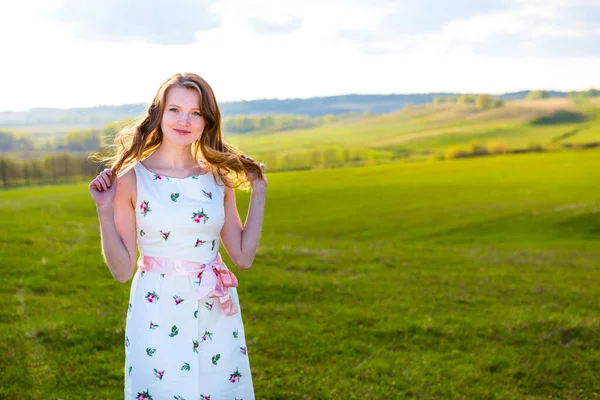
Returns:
point(53, 169)
point(70, 168)
point(482, 101)
point(278, 123)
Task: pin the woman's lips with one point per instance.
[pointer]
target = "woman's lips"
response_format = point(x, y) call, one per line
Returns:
point(181, 131)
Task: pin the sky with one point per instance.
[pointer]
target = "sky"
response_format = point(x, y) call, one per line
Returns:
point(83, 53)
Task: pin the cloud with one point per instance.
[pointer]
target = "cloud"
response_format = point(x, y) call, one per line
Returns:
point(289, 25)
point(544, 29)
point(422, 16)
point(150, 21)
point(518, 45)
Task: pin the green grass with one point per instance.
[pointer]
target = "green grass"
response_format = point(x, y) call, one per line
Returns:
point(433, 128)
point(463, 279)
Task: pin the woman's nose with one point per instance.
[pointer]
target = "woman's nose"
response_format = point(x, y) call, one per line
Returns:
point(184, 119)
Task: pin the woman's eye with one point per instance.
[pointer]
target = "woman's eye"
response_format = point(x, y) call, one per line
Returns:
point(173, 109)
point(197, 113)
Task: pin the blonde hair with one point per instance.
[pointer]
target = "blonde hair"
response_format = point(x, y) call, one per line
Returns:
point(136, 142)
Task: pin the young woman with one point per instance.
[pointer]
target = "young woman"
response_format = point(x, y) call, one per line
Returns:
point(170, 192)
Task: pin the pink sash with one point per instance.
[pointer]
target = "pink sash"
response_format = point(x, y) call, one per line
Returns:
point(214, 279)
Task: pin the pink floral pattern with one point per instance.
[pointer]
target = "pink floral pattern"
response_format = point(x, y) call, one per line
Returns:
point(235, 377)
point(200, 216)
point(153, 329)
point(145, 207)
point(151, 297)
point(144, 396)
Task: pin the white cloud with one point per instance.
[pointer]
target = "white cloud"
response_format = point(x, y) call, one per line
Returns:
point(150, 21)
point(50, 64)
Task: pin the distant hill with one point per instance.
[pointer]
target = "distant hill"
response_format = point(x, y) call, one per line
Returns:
point(51, 120)
point(430, 130)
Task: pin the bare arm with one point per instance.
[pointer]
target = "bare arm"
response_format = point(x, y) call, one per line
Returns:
point(115, 207)
point(240, 241)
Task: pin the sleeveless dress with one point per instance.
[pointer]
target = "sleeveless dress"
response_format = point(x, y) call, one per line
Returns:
point(184, 336)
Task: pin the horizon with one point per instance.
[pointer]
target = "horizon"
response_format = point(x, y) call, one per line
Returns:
point(300, 98)
point(256, 50)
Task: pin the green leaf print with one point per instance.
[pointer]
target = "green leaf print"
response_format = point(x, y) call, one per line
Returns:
point(196, 345)
point(196, 314)
point(207, 335)
point(142, 233)
point(199, 242)
point(235, 333)
point(208, 306)
point(178, 300)
point(203, 397)
point(174, 331)
point(165, 235)
point(185, 367)
point(150, 351)
point(145, 207)
point(162, 275)
point(207, 194)
point(144, 395)
point(153, 326)
point(200, 216)
point(126, 341)
point(159, 374)
point(129, 371)
point(178, 397)
point(174, 196)
point(213, 245)
point(215, 358)
point(243, 350)
point(142, 274)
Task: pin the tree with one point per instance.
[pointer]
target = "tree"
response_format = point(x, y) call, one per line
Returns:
point(484, 101)
point(466, 99)
point(537, 94)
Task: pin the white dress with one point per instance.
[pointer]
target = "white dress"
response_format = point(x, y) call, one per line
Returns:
point(184, 336)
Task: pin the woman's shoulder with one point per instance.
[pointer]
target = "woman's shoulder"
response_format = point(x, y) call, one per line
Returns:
point(127, 180)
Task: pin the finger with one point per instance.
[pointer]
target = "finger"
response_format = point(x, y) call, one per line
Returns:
point(95, 185)
point(105, 179)
point(101, 182)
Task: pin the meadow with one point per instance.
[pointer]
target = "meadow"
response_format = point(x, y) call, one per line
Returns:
point(463, 279)
point(428, 130)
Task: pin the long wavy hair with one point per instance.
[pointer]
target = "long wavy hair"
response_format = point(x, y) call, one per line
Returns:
point(137, 141)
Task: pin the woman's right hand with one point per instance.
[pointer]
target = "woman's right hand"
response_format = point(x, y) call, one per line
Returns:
point(103, 191)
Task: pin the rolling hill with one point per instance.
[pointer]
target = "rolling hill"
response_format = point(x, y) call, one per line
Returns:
point(431, 129)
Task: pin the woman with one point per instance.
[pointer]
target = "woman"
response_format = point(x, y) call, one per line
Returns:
point(174, 197)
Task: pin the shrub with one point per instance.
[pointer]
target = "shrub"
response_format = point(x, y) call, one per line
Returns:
point(456, 152)
point(535, 146)
point(476, 148)
point(496, 147)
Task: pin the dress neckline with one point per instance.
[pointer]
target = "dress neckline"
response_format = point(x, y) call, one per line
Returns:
point(171, 177)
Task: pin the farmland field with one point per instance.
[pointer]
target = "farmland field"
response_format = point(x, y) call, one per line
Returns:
point(462, 279)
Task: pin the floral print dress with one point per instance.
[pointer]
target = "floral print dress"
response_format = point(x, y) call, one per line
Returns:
point(179, 345)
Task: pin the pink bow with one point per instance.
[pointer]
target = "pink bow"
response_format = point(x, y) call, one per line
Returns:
point(214, 279)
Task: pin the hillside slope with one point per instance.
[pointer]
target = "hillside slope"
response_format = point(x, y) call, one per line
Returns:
point(433, 128)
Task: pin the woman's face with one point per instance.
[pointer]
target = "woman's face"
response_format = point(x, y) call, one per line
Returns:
point(182, 122)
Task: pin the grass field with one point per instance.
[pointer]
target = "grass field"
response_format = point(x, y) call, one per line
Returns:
point(464, 279)
point(431, 129)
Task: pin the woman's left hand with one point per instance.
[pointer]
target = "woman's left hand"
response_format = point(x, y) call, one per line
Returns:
point(257, 184)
